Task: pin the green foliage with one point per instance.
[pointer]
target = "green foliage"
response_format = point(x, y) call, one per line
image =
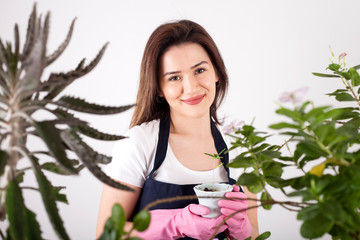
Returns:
point(22, 220)
point(142, 221)
point(22, 94)
point(114, 226)
point(323, 144)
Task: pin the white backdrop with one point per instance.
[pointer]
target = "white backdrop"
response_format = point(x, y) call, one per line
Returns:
point(268, 47)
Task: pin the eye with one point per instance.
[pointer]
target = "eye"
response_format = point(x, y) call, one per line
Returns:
point(174, 78)
point(200, 70)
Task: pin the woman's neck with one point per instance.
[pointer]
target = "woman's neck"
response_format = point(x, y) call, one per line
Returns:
point(197, 127)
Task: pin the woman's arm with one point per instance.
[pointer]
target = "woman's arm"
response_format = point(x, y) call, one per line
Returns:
point(252, 213)
point(109, 197)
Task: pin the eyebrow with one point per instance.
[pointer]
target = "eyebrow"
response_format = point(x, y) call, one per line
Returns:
point(196, 65)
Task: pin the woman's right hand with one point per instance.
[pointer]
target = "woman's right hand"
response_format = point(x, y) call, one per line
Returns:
point(177, 223)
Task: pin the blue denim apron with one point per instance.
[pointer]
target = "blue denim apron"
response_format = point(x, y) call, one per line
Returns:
point(154, 190)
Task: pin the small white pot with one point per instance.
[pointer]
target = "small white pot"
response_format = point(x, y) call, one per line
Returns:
point(211, 203)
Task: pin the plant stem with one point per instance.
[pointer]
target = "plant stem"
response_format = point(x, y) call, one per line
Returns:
point(351, 90)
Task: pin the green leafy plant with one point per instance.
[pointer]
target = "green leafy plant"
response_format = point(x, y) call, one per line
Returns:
point(114, 226)
point(323, 146)
point(23, 95)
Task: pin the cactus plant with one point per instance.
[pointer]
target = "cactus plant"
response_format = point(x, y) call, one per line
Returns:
point(22, 94)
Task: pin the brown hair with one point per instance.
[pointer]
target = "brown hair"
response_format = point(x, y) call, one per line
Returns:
point(169, 34)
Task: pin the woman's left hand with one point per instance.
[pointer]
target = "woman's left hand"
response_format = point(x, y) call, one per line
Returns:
point(239, 226)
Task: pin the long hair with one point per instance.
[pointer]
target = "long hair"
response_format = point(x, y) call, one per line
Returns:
point(165, 36)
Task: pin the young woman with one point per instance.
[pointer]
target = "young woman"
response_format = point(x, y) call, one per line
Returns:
point(183, 80)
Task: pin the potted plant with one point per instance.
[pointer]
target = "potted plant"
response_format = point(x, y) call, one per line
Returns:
point(209, 193)
point(23, 94)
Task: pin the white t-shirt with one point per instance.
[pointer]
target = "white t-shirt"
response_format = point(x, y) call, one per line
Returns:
point(133, 159)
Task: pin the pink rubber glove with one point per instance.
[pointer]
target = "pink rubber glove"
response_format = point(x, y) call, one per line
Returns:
point(177, 223)
point(239, 226)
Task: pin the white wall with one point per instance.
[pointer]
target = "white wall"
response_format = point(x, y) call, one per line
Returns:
point(268, 47)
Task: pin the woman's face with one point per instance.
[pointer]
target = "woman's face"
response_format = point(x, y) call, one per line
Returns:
point(187, 80)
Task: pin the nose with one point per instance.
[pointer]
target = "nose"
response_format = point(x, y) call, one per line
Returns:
point(190, 84)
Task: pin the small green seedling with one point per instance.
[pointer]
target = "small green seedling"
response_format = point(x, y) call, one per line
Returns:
point(214, 157)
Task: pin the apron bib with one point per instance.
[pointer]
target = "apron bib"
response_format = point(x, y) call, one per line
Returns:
point(154, 190)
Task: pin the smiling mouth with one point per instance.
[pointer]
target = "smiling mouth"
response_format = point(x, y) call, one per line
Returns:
point(194, 100)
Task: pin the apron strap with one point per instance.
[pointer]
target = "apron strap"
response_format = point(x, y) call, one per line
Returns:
point(162, 144)
point(220, 146)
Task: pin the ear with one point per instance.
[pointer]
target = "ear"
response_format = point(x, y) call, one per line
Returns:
point(160, 94)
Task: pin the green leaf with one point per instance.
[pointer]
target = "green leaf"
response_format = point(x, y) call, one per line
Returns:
point(311, 149)
point(327, 115)
point(273, 169)
point(142, 220)
point(316, 227)
point(255, 188)
point(69, 77)
point(325, 132)
point(325, 75)
point(308, 213)
point(86, 154)
point(259, 148)
point(49, 199)
point(55, 168)
point(263, 236)
point(299, 182)
point(264, 198)
point(3, 161)
point(333, 210)
point(305, 194)
point(60, 196)
point(20, 177)
point(355, 77)
point(251, 181)
point(314, 112)
point(289, 113)
point(23, 224)
point(253, 139)
point(94, 133)
point(334, 67)
point(248, 179)
point(350, 128)
point(277, 182)
point(242, 162)
point(344, 97)
point(357, 67)
point(345, 75)
point(271, 154)
point(51, 136)
point(81, 105)
point(247, 130)
point(284, 125)
point(85, 129)
point(119, 219)
point(52, 57)
point(285, 158)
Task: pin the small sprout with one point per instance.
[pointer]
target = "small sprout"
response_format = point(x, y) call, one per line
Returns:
point(214, 157)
